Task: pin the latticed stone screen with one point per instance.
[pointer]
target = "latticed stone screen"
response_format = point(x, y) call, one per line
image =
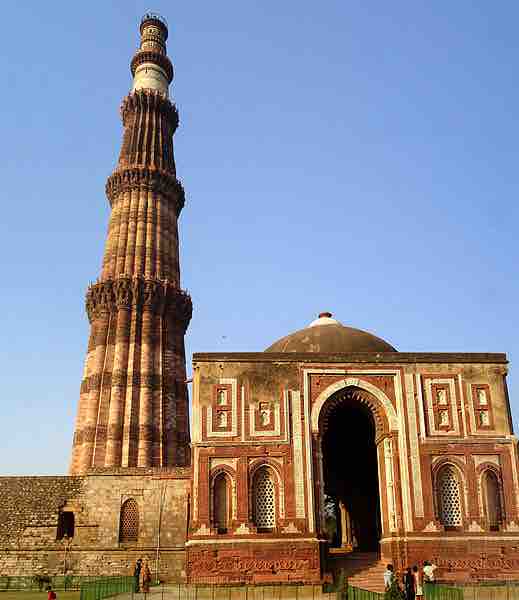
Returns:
point(264, 499)
point(129, 524)
point(449, 498)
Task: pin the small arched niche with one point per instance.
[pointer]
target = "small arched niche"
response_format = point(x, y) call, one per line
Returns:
point(221, 503)
point(492, 500)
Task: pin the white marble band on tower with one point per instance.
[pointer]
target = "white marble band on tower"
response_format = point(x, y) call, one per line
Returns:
point(151, 67)
point(150, 76)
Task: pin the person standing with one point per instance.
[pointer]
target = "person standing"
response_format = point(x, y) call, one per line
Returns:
point(146, 578)
point(389, 575)
point(418, 583)
point(409, 584)
point(137, 575)
point(391, 583)
point(428, 572)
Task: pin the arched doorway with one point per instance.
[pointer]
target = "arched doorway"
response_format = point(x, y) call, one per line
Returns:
point(350, 472)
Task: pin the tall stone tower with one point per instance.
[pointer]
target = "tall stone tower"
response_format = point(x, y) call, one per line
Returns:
point(133, 406)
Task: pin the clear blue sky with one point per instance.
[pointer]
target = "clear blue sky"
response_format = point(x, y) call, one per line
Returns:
point(359, 157)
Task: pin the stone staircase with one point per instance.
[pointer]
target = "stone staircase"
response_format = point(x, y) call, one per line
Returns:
point(362, 569)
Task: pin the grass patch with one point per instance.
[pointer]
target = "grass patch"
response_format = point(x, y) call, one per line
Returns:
point(23, 595)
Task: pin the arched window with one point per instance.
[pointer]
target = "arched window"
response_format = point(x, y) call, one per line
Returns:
point(449, 498)
point(264, 500)
point(221, 503)
point(129, 522)
point(491, 499)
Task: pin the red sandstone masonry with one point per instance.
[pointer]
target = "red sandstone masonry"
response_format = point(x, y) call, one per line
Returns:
point(133, 402)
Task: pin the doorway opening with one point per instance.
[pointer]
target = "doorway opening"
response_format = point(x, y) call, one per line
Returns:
point(350, 471)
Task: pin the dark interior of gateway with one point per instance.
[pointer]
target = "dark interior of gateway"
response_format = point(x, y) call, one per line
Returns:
point(350, 472)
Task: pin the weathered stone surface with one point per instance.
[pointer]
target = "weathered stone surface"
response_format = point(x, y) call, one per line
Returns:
point(29, 509)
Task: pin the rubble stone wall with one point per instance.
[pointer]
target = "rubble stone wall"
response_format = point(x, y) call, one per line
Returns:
point(30, 509)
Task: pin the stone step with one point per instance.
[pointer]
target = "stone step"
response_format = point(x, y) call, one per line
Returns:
point(364, 570)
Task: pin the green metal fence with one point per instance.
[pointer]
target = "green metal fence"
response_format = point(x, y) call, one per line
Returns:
point(505, 590)
point(355, 593)
point(91, 587)
point(105, 587)
point(100, 588)
point(432, 592)
point(438, 591)
point(40, 582)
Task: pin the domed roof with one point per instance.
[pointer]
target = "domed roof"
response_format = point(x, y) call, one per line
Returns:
point(328, 336)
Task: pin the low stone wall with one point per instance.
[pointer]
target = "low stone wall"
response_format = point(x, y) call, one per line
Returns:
point(29, 511)
point(170, 566)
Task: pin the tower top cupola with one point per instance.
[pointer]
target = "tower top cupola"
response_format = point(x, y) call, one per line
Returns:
point(150, 66)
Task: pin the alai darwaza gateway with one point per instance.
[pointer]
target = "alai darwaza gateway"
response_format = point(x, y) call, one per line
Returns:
point(353, 455)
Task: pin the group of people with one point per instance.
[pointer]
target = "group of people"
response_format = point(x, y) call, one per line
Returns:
point(142, 576)
point(413, 581)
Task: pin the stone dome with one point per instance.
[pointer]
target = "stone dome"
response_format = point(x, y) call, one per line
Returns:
point(329, 336)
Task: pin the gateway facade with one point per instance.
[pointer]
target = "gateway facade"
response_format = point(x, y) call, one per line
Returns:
point(351, 458)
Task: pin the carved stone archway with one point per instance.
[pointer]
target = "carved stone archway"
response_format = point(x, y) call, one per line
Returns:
point(361, 397)
point(364, 392)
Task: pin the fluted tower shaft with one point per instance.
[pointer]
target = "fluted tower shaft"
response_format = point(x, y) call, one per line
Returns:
point(133, 406)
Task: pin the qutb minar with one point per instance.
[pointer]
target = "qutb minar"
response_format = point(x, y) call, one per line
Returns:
point(330, 452)
point(133, 405)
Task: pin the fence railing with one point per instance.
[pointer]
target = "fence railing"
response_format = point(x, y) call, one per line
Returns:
point(490, 590)
point(40, 582)
point(105, 587)
point(438, 591)
point(432, 592)
point(91, 587)
point(355, 593)
point(506, 590)
point(99, 588)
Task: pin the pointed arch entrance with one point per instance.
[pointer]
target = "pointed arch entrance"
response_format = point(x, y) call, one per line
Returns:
point(352, 425)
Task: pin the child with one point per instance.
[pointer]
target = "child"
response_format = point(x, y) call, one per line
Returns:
point(51, 594)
